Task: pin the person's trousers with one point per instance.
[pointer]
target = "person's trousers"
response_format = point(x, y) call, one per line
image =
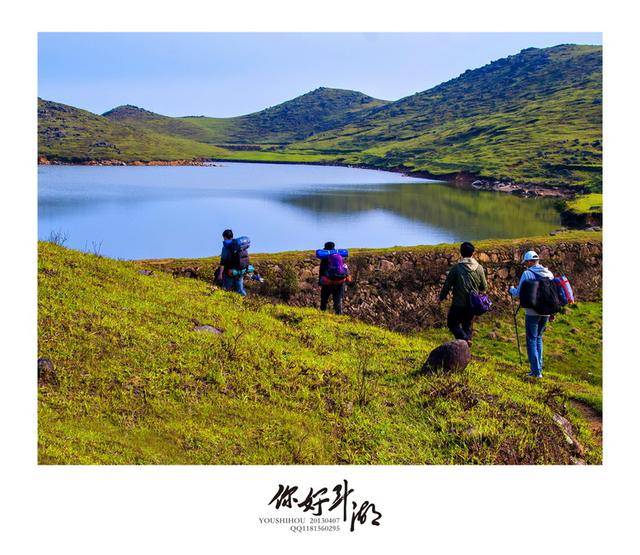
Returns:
point(460, 322)
point(535, 326)
point(335, 291)
point(234, 283)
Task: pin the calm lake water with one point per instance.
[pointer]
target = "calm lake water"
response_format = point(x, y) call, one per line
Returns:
point(156, 212)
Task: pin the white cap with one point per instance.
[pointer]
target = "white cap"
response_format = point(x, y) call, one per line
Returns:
point(530, 255)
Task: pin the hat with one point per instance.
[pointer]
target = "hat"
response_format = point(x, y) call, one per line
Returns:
point(530, 255)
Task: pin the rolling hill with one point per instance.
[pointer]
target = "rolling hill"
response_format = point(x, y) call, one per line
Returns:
point(73, 135)
point(296, 119)
point(534, 117)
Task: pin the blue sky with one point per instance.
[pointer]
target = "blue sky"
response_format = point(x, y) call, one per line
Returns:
point(228, 74)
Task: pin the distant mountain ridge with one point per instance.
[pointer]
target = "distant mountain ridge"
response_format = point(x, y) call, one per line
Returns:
point(73, 135)
point(534, 117)
point(296, 119)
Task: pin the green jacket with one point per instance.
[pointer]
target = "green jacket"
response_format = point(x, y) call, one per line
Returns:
point(466, 276)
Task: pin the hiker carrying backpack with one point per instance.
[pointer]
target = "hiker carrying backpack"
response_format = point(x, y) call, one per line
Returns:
point(467, 282)
point(334, 274)
point(541, 295)
point(234, 262)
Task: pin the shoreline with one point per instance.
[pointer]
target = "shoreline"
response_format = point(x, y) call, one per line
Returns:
point(42, 161)
point(460, 179)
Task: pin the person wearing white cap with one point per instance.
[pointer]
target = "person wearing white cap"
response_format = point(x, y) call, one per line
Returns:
point(535, 323)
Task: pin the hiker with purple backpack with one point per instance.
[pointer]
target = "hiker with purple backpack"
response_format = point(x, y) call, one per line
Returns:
point(334, 274)
point(467, 281)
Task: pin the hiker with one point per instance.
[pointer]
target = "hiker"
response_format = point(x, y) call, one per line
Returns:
point(334, 273)
point(535, 323)
point(465, 278)
point(234, 261)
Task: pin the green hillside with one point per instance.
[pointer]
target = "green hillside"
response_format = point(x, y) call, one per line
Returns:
point(293, 120)
point(534, 117)
point(70, 134)
point(136, 383)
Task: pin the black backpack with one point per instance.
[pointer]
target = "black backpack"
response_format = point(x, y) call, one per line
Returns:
point(541, 295)
point(240, 253)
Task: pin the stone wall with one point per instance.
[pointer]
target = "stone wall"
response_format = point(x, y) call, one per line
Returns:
point(399, 288)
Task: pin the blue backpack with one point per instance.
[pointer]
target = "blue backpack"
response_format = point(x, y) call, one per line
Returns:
point(240, 254)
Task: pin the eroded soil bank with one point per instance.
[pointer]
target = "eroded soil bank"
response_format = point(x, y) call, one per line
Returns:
point(398, 288)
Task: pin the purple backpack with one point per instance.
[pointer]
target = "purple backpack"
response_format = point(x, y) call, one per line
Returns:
point(479, 303)
point(337, 269)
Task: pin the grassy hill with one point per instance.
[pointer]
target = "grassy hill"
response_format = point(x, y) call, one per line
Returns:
point(293, 120)
point(70, 134)
point(136, 383)
point(534, 117)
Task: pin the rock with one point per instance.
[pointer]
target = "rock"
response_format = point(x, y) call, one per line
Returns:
point(208, 329)
point(46, 372)
point(386, 265)
point(307, 273)
point(407, 266)
point(145, 272)
point(569, 435)
point(450, 356)
point(306, 286)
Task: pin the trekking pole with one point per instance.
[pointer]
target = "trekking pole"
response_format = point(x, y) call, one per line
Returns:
point(515, 323)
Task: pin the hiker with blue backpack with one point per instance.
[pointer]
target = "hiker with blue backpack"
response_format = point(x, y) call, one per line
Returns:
point(542, 296)
point(234, 262)
point(467, 282)
point(334, 274)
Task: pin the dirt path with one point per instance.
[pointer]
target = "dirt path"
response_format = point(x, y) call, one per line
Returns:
point(591, 416)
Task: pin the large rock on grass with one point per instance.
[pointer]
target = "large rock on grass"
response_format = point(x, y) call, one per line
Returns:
point(46, 372)
point(452, 356)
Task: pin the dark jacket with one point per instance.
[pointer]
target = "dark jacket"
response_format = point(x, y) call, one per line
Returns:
point(466, 276)
point(227, 253)
point(324, 267)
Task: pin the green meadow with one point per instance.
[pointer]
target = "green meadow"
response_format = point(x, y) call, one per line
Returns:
point(136, 382)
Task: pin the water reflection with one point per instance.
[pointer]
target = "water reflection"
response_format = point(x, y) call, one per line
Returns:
point(476, 214)
point(153, 212)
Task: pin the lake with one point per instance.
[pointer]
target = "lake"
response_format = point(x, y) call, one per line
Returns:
point(135, 212)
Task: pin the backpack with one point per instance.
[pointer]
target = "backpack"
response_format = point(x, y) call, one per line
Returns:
point(239, 254)
point(541, 295)
point(479, 303)
point(325, 253)
point(337, 270)
point(564, 290)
